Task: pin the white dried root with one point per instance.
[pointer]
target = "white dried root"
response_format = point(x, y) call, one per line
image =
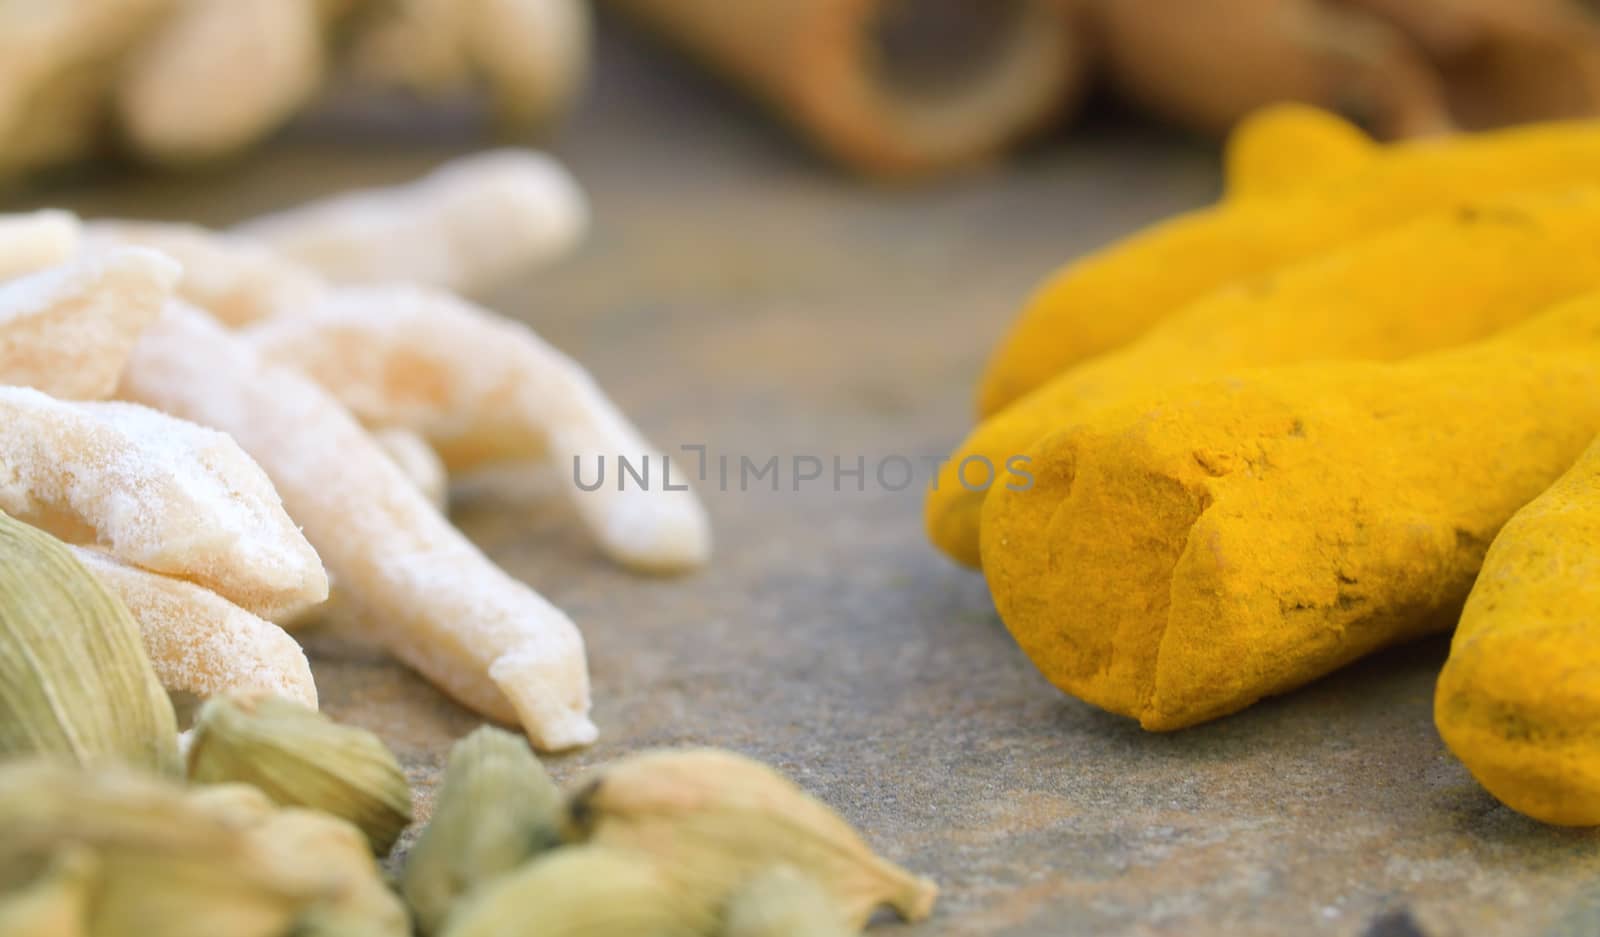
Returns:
point(232, 278)
point(428, 594)
point(532, 54)
point(201, 643)
point(33, 241)
point(218, 75)
point(411, 453)
point(58, 60)
point(481, 388)
point(155, 492)
point(471, 223)
point(68, 330)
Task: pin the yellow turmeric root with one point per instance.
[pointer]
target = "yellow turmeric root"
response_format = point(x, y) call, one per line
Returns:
point(1519, 699)
point(1287, 148)
point(1451, 278)
point(1108, 298)
point(1184, 554)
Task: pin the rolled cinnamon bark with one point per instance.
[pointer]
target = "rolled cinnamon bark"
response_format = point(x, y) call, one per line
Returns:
point(891, 87)
point(1207, 65)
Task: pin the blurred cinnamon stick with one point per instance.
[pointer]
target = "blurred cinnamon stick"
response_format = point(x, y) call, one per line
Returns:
point(1208, 63)
point(893, 87)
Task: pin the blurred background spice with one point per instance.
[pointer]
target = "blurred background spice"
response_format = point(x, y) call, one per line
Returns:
point(890, 88)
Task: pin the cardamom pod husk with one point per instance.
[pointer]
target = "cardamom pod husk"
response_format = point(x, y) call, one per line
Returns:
point(301, 758)
point(583, 891)
point(712, 820)
point(55, 905)
point(75, 681)
point(783, 902)
point(166, 865)
point(359, 903)
point(497, 808)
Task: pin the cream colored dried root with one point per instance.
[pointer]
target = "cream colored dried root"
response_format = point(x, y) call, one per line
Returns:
point(426, 592)
point(482, 388)
point(35, 240)
point(68, 330)
point(219, 74)
point(471, 223)
point(232, 278)
point(201, 643)
point(156, 492)
point(58, 60)
point(533, 54)
point(414, 457)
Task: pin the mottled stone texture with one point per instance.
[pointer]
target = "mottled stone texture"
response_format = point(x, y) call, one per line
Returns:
point(738, 294)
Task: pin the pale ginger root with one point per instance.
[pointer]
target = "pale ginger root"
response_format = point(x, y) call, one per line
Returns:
point(471, 223)
point(411, 453)
point(1450, 278)
point(482, 389)
point(68, 330)
point(158, 493)
point(1184, 553)
point(36, 240)
point(532, 54)
point(218, 75)
point(58, 62)
point(235, 280)
point(1519, 700)
point(478, 388)
point(428, 594)
point(201, 643)
point(1108, 298)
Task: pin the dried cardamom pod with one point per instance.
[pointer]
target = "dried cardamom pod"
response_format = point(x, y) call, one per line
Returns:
point(301, 758)
point(497, 808)
point(713, 819)
point(167, 866)
point(74, 677)
point(359, 904)
point(57, 904)
point(783, 902)
point(583, 891)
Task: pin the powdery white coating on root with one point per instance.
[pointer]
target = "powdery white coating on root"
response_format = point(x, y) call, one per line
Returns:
point(418, 461)
point(472, 223)
point(232, 278)
point(156, 492)
point(201, 643)
point(424, 590)
point(482, 388)
point(68, 330)
point(35, 240)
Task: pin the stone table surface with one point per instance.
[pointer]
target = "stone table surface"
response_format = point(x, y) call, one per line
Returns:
point(735, 293)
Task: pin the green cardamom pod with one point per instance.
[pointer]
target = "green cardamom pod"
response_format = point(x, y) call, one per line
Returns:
point(713, 819)
point(497, 808)
point(583, 891)
point(57, 903)
point(783, 902)
point(301, 758)
point(75, 681)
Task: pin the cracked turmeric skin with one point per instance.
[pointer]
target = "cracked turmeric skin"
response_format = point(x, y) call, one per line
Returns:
point(1454, 277)
point(1110, 297)
point(1519, 699)
point(1184, 554)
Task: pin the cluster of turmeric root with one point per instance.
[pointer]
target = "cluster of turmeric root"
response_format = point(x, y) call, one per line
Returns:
point(1261, 440)
point(180, 81)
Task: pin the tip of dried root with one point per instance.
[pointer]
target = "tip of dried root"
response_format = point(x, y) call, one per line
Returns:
point(550, 694)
